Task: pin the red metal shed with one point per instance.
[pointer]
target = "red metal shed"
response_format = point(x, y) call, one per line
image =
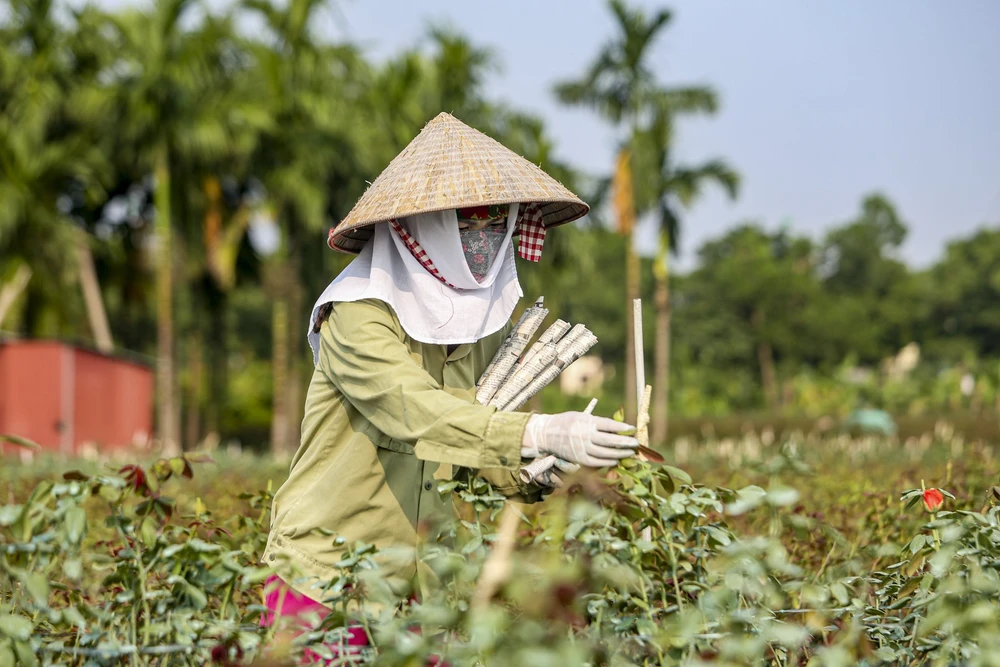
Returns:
point(66, 397)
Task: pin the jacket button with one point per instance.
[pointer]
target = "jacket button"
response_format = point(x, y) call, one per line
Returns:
point(428, 485)
point(503, 460)
point(271, 557)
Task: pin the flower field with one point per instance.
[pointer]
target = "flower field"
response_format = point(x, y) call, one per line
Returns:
point(807, 550)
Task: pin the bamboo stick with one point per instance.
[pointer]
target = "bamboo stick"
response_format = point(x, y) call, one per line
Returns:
point(497, 568)
point(642, 421)
point(640, 361)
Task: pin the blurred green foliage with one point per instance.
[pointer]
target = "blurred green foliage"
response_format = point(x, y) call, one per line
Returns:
point(803, 550)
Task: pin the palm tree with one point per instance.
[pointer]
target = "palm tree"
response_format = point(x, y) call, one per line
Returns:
point(460, 70)
point(45, 154)
point(622, 88)
point(414, 87)
point(664, 188)
point(309, 88)
point(165, 107)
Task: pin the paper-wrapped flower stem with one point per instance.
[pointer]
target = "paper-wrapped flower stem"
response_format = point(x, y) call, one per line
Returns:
point(534, 362)
point(523, 375)
point(506, 343)
point(501, 351)
point(567, 356)
point(549, 338)
point(544, 375)
point(511, 350)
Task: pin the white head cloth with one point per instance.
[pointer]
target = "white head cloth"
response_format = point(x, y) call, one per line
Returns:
point(429, 310)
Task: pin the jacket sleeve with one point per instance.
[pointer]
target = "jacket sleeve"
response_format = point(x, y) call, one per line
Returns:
point(363, 354)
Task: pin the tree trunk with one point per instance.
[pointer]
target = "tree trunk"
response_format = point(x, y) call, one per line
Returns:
point(196, 372)
point(765, 357)
point(279, 371)
point(624, 204)
point(661, 353)
point(218, 368)
point(279, 360)
point(13, 289)
point(293, 395)
point(165, 386)
point(92, 298)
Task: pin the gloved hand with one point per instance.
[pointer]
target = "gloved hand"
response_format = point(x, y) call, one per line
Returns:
point(577, 437)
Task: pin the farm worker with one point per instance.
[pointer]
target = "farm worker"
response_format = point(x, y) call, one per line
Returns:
point(399, 340)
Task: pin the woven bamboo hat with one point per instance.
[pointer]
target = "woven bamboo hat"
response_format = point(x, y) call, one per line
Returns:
point(451, 165)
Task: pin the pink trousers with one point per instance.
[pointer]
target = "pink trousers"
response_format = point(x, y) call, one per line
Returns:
point(282, 602)
point(285, 603)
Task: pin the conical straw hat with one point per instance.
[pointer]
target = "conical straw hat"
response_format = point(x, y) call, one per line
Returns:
point(451, 165)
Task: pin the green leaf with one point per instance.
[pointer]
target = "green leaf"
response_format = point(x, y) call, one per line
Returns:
point(677, 474)
point(38, 587)
point(17, 628)
point(76, 524)
point(782, 497)
point(6, 654)
point(73, 615)
point(840, 592)
point(147, 532)
point(9, 514)
point(177, 465)
point(788, 634)
point(19, 441)
point(747, 499)
point(25, 655)
point(201, 546)
point(718, 535)
point(472, 545)
point(197, 596)
point(73, 568)
point(110, 493)
point(886, 654)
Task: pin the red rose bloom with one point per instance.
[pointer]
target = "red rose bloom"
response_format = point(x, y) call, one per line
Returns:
point(933, 499)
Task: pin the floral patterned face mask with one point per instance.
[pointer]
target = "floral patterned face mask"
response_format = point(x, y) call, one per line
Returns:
point(482, 231)
point(481, 248)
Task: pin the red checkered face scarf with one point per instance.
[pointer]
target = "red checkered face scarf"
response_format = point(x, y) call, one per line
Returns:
point(529, 227)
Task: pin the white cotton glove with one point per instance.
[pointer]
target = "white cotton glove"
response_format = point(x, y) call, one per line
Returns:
point(577, 437)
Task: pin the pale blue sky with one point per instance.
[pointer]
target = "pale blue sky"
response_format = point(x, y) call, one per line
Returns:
point(822, 101)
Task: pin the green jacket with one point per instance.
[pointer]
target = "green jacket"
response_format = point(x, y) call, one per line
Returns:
point(386, 417)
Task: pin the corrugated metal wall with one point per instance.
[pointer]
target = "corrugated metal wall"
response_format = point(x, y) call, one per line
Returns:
point(64, 397)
